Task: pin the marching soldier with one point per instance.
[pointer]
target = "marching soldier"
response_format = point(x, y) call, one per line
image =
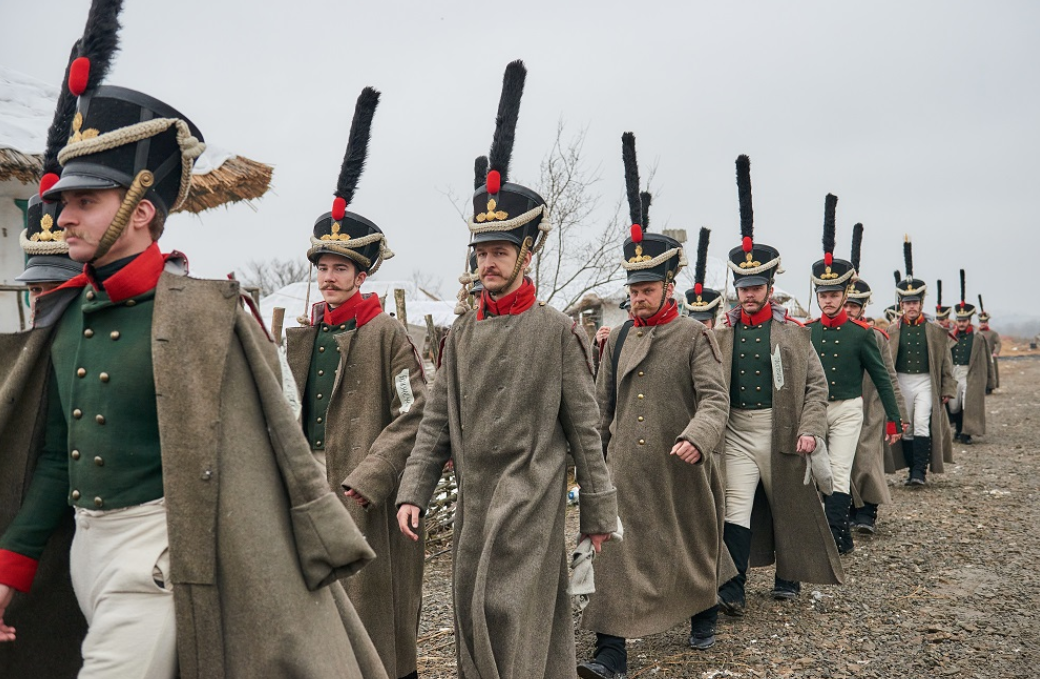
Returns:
point(942, 313)
point(993, 338)
point(925, 375)
point(973, 370)
point(869, 487)
point(363, 389)
point(848, 350)
point(514, 394)
point(198, 507)
point(778, 410)
point(703, 303)
point(659, 429)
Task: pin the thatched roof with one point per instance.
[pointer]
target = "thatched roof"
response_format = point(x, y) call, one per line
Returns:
point(26, 168)
point(237, 179)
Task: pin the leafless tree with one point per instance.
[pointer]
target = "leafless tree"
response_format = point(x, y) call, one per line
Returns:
point(427, 283)
point(272, 274)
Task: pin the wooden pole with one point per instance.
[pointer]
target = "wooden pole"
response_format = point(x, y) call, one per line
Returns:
point(402, 310)
point(277, 323)
point(431, 337)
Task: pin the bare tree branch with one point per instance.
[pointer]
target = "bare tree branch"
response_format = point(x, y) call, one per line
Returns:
point(273, 274)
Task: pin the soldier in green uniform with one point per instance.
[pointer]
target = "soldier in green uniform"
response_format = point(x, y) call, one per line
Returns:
point(993, 337)
point(778, 412)
point(363, 389)
point(198, 507)
point(702, 303)
point(925, 376)
point(869, 486)
point(847, 349)
point(973, 370)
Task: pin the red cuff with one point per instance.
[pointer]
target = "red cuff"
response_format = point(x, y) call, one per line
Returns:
point(17, 571)
point(892, 428)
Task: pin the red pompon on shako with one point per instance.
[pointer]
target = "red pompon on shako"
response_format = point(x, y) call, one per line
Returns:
point(637, 233)
point(828, 258)
point(494, 182)
point(79, 75)
point(47, 181)
point(339, 208)
point(698, 289)
point(747, 244)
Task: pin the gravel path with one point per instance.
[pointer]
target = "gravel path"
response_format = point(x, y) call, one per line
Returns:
point(950, 585)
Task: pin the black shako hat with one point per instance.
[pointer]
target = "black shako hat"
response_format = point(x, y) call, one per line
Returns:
point(120, 137)
point(910, 289)
point(702, 303)
point(348, 234)
point(646, 256)
point(942, 313)
point(983, 314)
point(751, 263)
point(503, 210)
point(859, 291)
point(964, 310)
point(830, 274)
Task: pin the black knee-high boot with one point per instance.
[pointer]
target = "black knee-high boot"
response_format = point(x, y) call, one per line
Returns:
point(731, 595)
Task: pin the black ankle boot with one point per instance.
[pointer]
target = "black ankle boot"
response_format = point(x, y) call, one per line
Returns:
point(731, 595)
point(837, 509)
point(702, 629)
point(866, 519)
point(786, 589)
point(908, 457)
point(922, 456)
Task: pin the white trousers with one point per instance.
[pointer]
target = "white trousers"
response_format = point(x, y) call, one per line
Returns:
point(749, 451)
point(917, 391)
point(120, 563)
point(960, 373)
point(844, 422)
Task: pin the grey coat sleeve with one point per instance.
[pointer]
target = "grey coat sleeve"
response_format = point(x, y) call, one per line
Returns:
point(813, 421)
point(709, 422)
point(890, 366)
point(579, 415)
point(378, 474)
point(604, 390)
point(432, 448)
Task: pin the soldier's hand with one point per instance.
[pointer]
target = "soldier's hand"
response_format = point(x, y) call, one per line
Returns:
point(408, 520)
point(686, 452)
point(6, 631)
point(893, 439)
point(356, 497)
point(597, 540)
point(946, 399)
point(602, 334)
point(806, 445)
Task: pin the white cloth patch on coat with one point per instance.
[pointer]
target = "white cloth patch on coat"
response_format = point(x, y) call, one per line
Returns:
point(778, 369)
point(403, 384)
point(818, 466)
point(583, 582)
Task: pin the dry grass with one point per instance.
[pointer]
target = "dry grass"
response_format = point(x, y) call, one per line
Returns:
point(26, 168)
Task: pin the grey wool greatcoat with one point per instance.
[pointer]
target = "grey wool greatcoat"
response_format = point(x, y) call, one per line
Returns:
point(981, 376)
point(868, 467)
point(367, 442)
point(257, 540)
point(940, 367)
point(670, 389)
point(792, 531)
point(512, 393)
point(993, 339)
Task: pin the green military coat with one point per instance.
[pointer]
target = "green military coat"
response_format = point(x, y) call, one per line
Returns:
point(255, 534)
point(374, 408)
point(981, 376)
point(792, 531)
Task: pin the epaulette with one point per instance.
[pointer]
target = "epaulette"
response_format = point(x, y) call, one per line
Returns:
point(883, 333)
point(789, 319)
point(815, 320)
point(861, 323)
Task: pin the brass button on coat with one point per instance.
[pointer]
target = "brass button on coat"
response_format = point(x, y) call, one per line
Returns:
point(320, 420)
point(98, 502)
point(642, 442)
point(99, 462)
point(639, 334)
point(321, 350)
point(90, 294)
point(131, 302)
point(81, 372)
point(75, 455)
point(88, 333)
point(103, 377)
point(319, 397)
point(640, 418)
point(641, 373)
point(320, 373)
point(77, 413)
point(640, 396)
point(100, 419)
point(75, 495)
point(114, 334)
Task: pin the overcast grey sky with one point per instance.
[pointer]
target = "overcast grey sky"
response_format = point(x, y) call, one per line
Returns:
point(922, 117)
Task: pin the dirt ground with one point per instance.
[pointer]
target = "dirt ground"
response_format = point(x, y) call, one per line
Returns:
point(950, 585)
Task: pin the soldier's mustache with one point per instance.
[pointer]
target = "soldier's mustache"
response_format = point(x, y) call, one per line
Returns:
point(73, 233)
